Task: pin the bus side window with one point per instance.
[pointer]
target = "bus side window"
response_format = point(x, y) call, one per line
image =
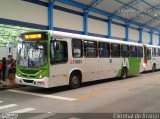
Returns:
point(140, 52)
point(124, 50)
point(77, 48)
point(115, 50)
point(148, 54)
point(159, 52)
point(60, 52)
point(154, 52)
point(90, 49)
point(104, 49)
point(133, 51)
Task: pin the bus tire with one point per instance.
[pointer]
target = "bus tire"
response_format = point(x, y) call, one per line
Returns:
point(154, 68)
point(75, 80)
point(124, 73)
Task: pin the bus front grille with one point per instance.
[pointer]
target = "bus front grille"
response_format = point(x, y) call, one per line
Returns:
point(25, 71)
point(28, 81)
point(29, 76)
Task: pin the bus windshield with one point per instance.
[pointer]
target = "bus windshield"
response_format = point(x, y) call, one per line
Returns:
point(31, 54)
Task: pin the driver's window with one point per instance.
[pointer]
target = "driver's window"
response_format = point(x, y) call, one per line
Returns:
point(59, 52)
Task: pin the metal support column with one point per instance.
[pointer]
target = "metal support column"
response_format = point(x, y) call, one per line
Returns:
point(50, 14)
point(109, 27)
point(151, 37)
point(85, 23)
point(126, 32)
point(140, 34)
point(159, 39)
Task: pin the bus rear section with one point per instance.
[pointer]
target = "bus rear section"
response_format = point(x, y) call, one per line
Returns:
point(151, 58)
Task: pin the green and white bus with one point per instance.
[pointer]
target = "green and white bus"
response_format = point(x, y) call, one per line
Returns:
point(52, 58)
point(151, 58)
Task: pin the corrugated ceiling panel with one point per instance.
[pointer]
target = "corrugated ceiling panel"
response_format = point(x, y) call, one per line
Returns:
point(143, 19)
point(155, 24)
point(141, 6)
point(155, 13)
point(109, 5)
point(129, 13)
point(158, 26)
point(153, 2)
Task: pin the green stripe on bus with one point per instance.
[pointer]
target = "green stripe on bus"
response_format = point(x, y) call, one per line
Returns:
point(134, 65)
point(133, 68)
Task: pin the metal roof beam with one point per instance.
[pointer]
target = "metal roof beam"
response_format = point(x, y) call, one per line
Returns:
point(73, 3)
point(124, 7)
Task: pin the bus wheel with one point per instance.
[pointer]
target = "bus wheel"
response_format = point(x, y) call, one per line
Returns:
point(124, 73)
point(74, 80)
point(154, 68)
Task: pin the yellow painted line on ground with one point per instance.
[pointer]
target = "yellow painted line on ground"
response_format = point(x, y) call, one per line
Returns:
point(91, 94)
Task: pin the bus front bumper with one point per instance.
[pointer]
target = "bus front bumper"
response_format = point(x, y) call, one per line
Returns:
point(33, 82)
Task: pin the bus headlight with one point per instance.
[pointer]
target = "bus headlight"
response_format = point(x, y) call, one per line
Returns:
point(144, 64)
point(40, 76)
point(18, 74)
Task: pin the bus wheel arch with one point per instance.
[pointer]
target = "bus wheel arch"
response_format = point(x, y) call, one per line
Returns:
point(154, 67)
point(75, 79)
point(124, 73)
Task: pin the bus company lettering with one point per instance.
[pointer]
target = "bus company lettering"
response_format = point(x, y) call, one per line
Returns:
point(75, 61)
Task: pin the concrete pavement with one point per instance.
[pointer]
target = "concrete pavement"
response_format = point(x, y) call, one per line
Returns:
point(138, 94)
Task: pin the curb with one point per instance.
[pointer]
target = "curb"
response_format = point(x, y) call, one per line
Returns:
point(6, 85)
point(9, 86)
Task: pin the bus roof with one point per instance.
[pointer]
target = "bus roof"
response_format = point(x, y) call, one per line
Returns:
point(152, 46)
point(85, 37)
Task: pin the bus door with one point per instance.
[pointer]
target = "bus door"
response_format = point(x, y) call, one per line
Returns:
point(59, 62)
